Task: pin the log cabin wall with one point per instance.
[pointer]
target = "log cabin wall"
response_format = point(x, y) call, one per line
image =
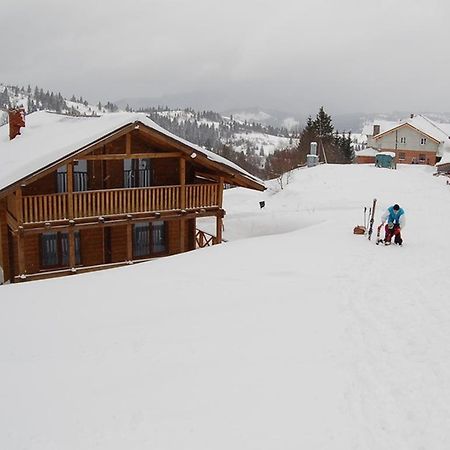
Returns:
point(173, 238)
point(140, 145)
point(118, 244)
point(91, 243)
point(114, 174)
point(32, 254)
point(96, 175)
point(4, 247)
point(165, 172)
point(43, 186)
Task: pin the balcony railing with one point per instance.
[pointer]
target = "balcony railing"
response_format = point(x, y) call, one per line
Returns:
point(45, 208)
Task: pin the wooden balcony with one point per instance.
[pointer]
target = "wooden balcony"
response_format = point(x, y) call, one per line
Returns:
point(78, 205)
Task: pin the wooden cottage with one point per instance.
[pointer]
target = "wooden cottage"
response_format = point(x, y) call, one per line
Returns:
point(80, 194)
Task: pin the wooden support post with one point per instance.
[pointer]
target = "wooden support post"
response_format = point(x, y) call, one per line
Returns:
point(220, 193)
point(182, 235)
point(21, 252)
point(129, 242)
point(219, 227)
point(4, 241)
point(182, 204)
point(70, 189)
point(128, 144)
point(72, 258)
point(19, 206)
point(183, 183)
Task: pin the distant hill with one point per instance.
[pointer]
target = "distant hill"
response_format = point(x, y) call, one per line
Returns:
point(243, 139)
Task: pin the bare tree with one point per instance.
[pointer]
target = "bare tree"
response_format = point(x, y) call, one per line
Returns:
point(280, 166)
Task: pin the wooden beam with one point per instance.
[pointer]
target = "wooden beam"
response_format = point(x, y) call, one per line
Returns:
point(12, 222)
point(129, 242)
point(182, 183)
point(182, 235)
point(220, 192)
point(119, 156)
point(117, 222)
point(128, 144)
point(70, 189)
point(209, 176)
point(219, 229)
point(64, 272)
point(4, 240)
point(72, 258)
point(21, 253)
point(19, 206)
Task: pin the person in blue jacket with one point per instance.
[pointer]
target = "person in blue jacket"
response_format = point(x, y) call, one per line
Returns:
point(394, 218)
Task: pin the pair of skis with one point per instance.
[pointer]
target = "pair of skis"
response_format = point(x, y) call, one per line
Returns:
point(371, 221)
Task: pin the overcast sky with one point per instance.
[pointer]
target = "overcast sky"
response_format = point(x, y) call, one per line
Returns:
point(289, 55)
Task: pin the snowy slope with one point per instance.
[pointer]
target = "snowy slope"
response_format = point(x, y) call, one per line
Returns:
point(296, 334)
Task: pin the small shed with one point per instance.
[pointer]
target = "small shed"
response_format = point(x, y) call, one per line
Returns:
point(366, 156)
point(385, 160)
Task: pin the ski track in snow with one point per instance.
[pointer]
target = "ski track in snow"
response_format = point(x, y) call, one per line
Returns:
point(305, 336)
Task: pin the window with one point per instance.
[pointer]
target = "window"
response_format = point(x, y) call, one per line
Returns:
point(136, 173)
point(403, 140)
point(80, 177)
point(61, 175)
point(55, 249)
point(141, 240)
point(401, 156)
point(149, 238)
point(158, 237)
point(423, 141)
point(422, 158)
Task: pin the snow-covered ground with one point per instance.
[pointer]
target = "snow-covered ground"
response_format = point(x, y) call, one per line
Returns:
point(296, 334)
point(267, 142)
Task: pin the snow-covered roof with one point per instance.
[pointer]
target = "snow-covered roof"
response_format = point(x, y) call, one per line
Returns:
point(384, 125)
point(369, 151)
point(444, 160)
point(49, 137)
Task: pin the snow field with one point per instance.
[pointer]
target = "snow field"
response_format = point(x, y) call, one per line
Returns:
point(294, 334)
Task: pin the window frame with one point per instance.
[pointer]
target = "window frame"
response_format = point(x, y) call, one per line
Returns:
point(151, 240)
point(423, 141)
point(80, 177)
point(60, 236)
point(137, 173)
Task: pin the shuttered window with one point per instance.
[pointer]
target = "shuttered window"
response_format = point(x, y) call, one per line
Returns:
point(149, 239)
point(49, 243)
point(55, 249)
point(141, 241)
point(159, 237)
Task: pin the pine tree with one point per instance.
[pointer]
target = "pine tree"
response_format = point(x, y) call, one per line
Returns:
point(323, 123)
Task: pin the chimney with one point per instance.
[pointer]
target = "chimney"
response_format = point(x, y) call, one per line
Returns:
point(376, 130)
point(411, 116)
point(16, 121)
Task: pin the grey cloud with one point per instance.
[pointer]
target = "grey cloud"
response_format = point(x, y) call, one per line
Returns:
point(290, 55)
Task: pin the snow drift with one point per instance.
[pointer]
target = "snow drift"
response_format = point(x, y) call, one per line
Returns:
point(313, 338)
